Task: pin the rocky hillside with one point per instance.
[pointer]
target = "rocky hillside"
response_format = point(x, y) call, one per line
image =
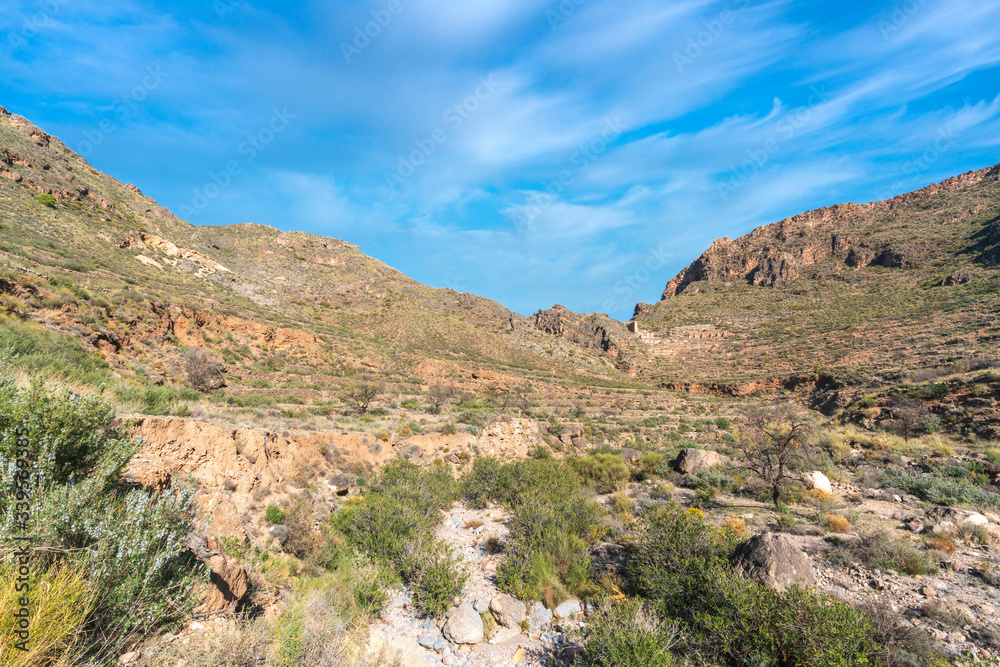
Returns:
point(95, 259)
point(886, 287)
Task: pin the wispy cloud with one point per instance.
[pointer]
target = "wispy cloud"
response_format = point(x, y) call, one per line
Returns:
point(789, 105)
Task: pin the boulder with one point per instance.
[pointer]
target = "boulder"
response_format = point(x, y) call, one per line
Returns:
point(568, 609)
point(465, 626)
point(508, 610)
point(631, 455)
point(695, 460)
point(817, 480)
point(773, 560)
point(539, 619)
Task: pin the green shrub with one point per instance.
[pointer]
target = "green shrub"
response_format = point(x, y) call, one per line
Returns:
point(394, 524)
point(955, 484)
point(449, 429)
point(607, 473)
point(437, 578)
point(724, 423)
point(682, 566)
point(274, 514)
point(45, 199)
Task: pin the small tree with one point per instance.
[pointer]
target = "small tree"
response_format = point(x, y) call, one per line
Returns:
point(203, 372)
point(361, 393)
point(622, 402)
point(908, 413)
point(773, 442)
point(439, 395)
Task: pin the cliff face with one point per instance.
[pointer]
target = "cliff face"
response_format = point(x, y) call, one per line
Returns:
point(859, 235)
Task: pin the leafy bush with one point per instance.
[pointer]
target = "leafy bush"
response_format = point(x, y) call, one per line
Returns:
point(681, 565)
point(127, 543)
point(45, 199)
point(605, 472)
point(630, 635)
point(437, 578)
point(955, 484)
point(274, 514)
point(550, 527)
point(393, 525)
point(651, 461)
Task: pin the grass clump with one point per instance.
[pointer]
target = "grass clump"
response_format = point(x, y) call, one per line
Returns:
point(607, 473)
point(878, 549)
point(59, 602)
point(630, 635)
point(49, 356)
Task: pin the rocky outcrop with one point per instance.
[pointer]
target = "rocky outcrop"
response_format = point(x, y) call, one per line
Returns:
point(594, 331)
point(780, 252)
point(773, 560)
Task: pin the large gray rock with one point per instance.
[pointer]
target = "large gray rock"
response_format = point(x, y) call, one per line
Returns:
point(465, 626)
point(773, 560)
point(692, 460)
point(631, 455)
point(539, 619)
point(508, 610)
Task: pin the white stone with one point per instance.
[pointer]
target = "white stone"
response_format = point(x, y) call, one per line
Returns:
point(817, 480)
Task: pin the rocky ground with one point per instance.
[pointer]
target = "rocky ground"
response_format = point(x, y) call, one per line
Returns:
point(484, 628)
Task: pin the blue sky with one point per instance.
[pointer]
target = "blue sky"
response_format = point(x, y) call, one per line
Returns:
point(535, 152)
